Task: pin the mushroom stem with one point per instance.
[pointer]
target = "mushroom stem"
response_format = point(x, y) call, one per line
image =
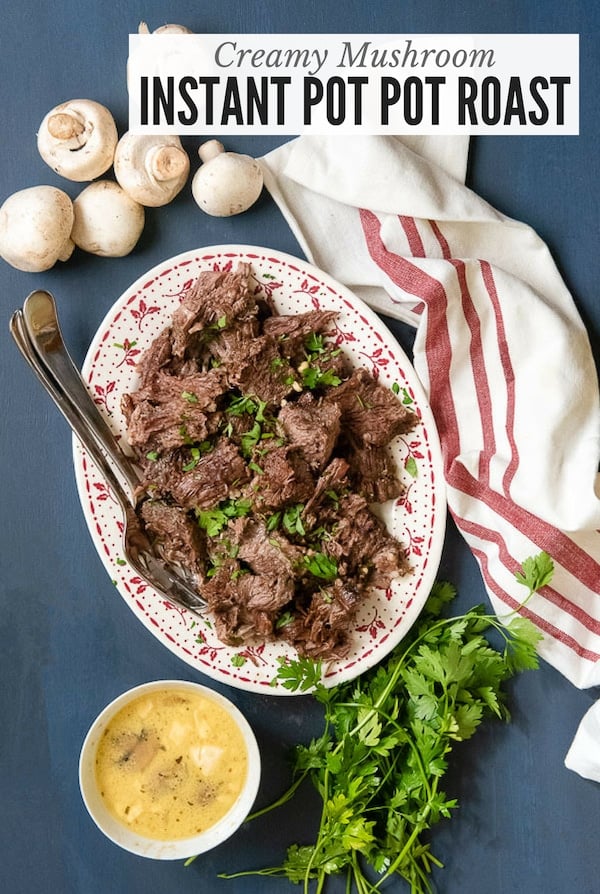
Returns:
point(151, 168)
point(167, 162)
point(209, 150)
point(65, 126)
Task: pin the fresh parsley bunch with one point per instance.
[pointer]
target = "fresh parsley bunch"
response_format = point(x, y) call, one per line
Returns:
point(379, 762)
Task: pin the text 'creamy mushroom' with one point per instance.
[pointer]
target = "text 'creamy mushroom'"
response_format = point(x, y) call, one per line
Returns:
point(108, 222)
point(226, 183)
point(35, 228)
point(78, 139)
point(151, 168)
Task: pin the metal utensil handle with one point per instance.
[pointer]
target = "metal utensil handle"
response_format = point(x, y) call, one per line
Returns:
point(78, 426)
point(40, 319)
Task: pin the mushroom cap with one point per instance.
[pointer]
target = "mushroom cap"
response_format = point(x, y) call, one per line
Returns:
point(227, 184)
point(108, 222)
point(35, 228)
point(77, 139)
point(151, 168)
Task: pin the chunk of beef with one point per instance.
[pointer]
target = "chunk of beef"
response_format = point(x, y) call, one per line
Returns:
point(254, 367)
point(245, 606)
point(212, 478)
point(285, 478)
point(312, 427)
point(198, 389)
point(373, 473)
point(158, 473)
point(362, 546)
point(322, 630)
point(371, 412)
point(332, 480)
point(215, 299)
point(315, 364)
point(173, 410)
point(156, 357)
point(174, 534)
point(165, 426)
point(264, 552)
point(293, 330)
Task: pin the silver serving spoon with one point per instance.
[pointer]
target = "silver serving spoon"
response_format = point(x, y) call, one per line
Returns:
point(99, 443)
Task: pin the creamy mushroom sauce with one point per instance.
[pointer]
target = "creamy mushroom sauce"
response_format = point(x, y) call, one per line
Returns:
point(171, 764)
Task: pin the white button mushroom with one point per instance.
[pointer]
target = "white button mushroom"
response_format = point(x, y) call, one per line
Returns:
point(164, 29)
point(78, 139)
point(151, 168)
point(226, 183)
point(35, 228)
point(108, 222)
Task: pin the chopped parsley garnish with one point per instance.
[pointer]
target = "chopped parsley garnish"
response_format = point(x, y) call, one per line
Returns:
point(290, 519)
point(321, 566)
point(195, 453)
point(314, 377)
point(250, 439)
point(251, 405)
point(214, 520)
point(315, 344)
point(284, 620)
point(318, 353)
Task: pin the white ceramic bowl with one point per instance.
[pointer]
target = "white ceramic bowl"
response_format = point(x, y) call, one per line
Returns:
point(181, 848)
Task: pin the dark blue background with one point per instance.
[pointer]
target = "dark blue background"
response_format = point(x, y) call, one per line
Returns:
point(69, 644)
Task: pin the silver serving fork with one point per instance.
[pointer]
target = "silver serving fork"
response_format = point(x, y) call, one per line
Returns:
point(36, 331)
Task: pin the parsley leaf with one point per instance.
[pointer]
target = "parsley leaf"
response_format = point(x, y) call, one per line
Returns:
point(536, 572)
point(214, 520)
point(314, 377)
point(321, 566)
point(292, 519)
point(299, 675)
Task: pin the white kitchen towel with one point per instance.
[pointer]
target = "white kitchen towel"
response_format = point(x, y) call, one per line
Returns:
point(584, 754)
point(500, 349)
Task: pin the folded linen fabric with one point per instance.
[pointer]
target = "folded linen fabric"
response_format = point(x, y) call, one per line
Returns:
point(583, 756)
point(499, 348)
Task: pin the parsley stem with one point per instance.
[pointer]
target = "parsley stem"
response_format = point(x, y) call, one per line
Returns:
point(363, 885)
point(418, 828)
point(321, 876)
point(285, 797)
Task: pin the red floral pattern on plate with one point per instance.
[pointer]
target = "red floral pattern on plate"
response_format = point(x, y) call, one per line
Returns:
point(417, 518)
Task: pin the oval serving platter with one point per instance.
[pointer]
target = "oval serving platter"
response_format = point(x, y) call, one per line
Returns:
point(417, 518)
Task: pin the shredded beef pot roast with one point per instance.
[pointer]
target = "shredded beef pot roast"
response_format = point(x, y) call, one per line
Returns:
point(260, 451)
